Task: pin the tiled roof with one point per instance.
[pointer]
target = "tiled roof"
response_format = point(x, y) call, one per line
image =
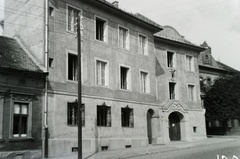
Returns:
point(14, 57)
point(226, 67)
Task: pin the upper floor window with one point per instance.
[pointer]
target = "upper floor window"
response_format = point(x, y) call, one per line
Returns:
point(191, 93)
point(123, 37)
point(125, 78)
point(189, 63)
point(142, 41)
point(172, 90)
point(72, 114)
point(170, 59)
point(72, 67)
point(21, 119)
point(145, 83)
point(72, 15)
point(103, 115)
point(101, 73)
point(101, 29)
point(127, 117)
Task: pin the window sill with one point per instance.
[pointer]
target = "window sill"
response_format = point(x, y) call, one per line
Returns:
point(102, 42)
point(126, 90)
point(20, 139)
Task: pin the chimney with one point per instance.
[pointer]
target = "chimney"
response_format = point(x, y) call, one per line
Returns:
point(115, 3)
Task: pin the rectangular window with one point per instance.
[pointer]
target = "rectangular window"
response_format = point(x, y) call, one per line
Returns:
point(172, 91)
point(20, 119)
point(101, 29)
point(101, 73)
point(123, 38)
point(127, 117)
point(170, 59)
point(142, 44)
point(125, 78)
point(189, 63)
point(72, 114)
point(73, 14)
point(145, 88)
point(72, 67)
point(191, 92)
point(103, 116)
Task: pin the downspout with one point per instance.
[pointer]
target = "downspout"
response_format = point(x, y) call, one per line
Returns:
point(46, 80)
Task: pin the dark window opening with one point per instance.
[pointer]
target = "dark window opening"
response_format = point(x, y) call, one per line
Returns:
point(50, 62)
point(172, 90)
point(104, 148)
point(72, 67)
point(127, 117)
point(194, 129)
point(124, 77)
point(72, 116)
point(103, 116)
point(170, 59)
point(51, 11)
point(100, 28)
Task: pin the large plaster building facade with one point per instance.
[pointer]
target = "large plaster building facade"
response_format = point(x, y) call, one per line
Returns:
point(139, 87)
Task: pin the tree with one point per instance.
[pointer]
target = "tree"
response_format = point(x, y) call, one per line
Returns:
point(222, 99)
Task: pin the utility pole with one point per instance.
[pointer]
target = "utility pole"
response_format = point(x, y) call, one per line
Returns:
point(79, 89)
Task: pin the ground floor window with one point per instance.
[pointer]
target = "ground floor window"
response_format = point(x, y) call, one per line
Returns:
point(127, 117)
point(103, 115)
point(20, 119)
point(72, 116)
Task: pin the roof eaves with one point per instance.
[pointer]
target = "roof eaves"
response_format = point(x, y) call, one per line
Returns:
point(145, 20)
point(181, 42)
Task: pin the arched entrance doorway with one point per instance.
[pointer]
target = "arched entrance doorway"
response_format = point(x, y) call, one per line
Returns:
point(174, 126)
point(149, 125)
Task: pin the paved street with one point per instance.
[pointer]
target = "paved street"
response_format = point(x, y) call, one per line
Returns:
point(229, 150)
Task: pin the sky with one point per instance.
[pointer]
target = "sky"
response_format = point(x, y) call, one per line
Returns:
point(215, 21)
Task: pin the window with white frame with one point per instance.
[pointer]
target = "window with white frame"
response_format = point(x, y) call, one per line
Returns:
point(123, 37)
point(170, 59)
point(125, 79)
point(172, 90)
point(101, 73)
point(101, 29)
point(72, 114)
point(127, 117)
point(72, 67)
point(191, 92)
point(145, 83)
point(189, 63)
point(142, 41)
point(21, 119)
point(72, 15)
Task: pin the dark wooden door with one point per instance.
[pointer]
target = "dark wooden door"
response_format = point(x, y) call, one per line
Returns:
point(174, 127)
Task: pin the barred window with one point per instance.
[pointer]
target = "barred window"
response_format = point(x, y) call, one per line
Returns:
point(127, 117)
point(72, 116)
point(103, 115)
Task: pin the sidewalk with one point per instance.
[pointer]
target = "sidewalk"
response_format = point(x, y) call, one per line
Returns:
point(151, 149)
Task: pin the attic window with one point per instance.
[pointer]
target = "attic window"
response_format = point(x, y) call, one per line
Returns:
point(207, 59)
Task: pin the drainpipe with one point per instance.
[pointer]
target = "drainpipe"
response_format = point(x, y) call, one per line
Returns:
point(46, 80)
